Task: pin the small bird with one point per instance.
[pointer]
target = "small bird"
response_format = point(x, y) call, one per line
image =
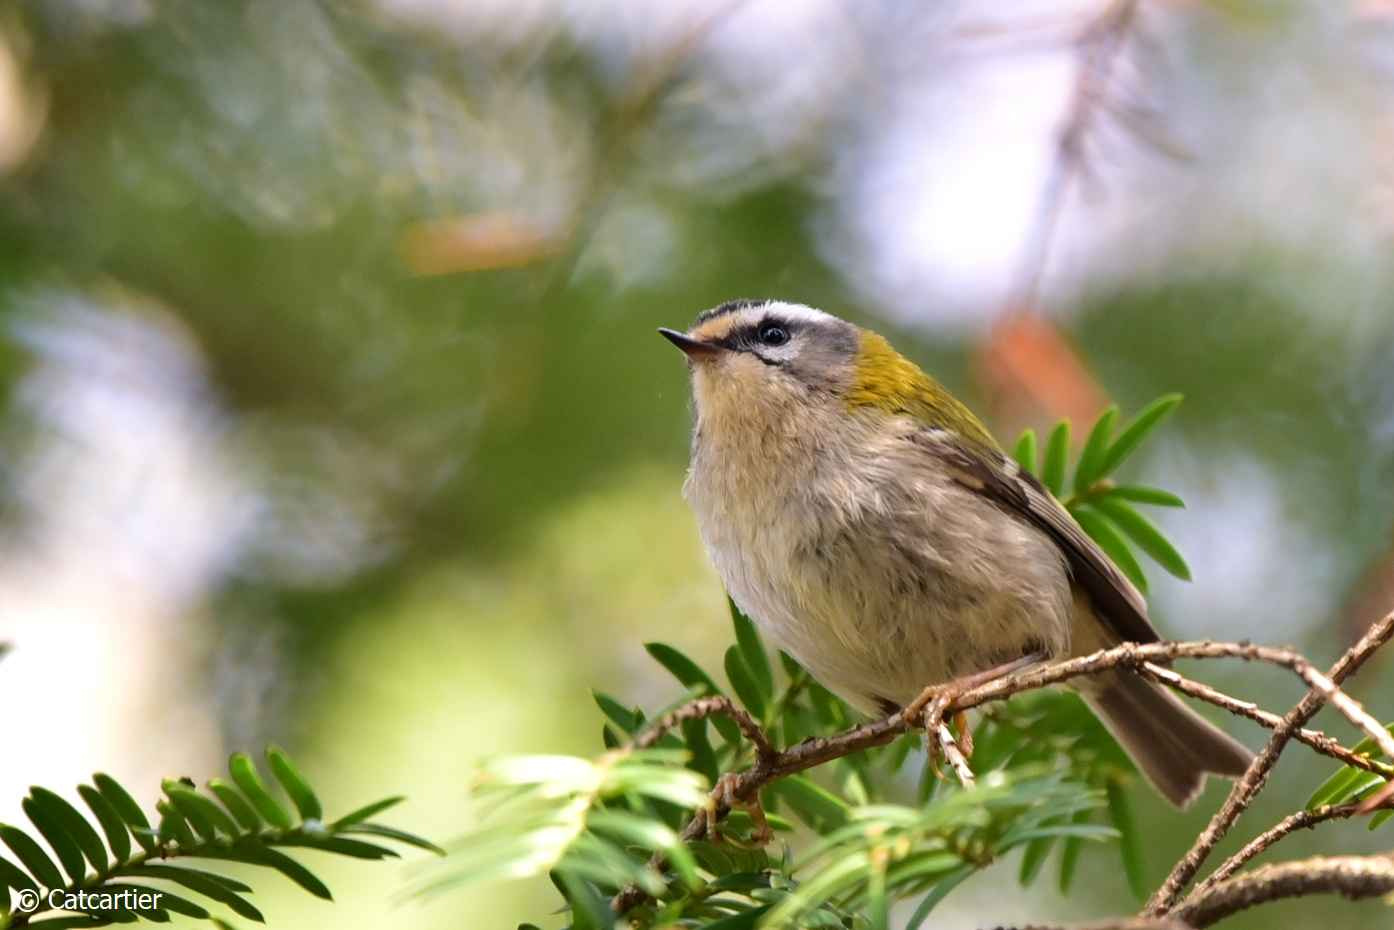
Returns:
point(874, 529)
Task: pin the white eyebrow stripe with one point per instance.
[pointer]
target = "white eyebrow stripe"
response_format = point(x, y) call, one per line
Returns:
point(791, 312)
point(749, 316)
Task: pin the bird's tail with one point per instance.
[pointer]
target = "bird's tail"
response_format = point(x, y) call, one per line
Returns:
point(1173, 745)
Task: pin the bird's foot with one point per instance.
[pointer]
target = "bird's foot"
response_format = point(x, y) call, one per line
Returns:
point(725, 793)
point(932, 704)
point(965, 683)
point(965, 732)
point(940, 740)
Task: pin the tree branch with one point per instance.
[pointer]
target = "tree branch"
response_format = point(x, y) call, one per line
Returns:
point(954, 755)
point(709, 707)
point(1350, 876)
point(1321, 742)
point(1253, 781)
point(1302, 820)
point(1117, 923)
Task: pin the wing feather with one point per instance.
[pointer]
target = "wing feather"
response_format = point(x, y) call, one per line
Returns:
point(1115, 598)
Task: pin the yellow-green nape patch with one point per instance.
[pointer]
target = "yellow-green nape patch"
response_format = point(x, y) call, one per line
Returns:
point(886, 380)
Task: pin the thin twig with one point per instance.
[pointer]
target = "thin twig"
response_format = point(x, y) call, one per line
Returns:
point(1138, 923)
point(702, 708)
point(953, 755)
point(1253, 780)
point(1351, 708)
point(1302, 820)
point(1350, 876)
point(1316, 739)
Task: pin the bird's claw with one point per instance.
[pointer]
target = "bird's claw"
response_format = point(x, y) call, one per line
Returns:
point(929, 709)
point(725, 794)
point(965, 733)
point(940, 742)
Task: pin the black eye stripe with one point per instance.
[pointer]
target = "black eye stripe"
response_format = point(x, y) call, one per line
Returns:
point(769, 333)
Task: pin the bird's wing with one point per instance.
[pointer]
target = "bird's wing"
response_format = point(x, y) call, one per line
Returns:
point(991, 473)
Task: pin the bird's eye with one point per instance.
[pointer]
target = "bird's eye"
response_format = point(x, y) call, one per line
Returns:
point(772, 334)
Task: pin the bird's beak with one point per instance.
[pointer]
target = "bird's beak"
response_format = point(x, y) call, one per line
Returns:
point(693, 348)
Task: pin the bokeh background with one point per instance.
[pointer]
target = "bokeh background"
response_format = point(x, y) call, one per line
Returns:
point(331, 410)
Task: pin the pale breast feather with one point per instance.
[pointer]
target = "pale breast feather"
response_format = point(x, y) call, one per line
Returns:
point(1115, 598)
